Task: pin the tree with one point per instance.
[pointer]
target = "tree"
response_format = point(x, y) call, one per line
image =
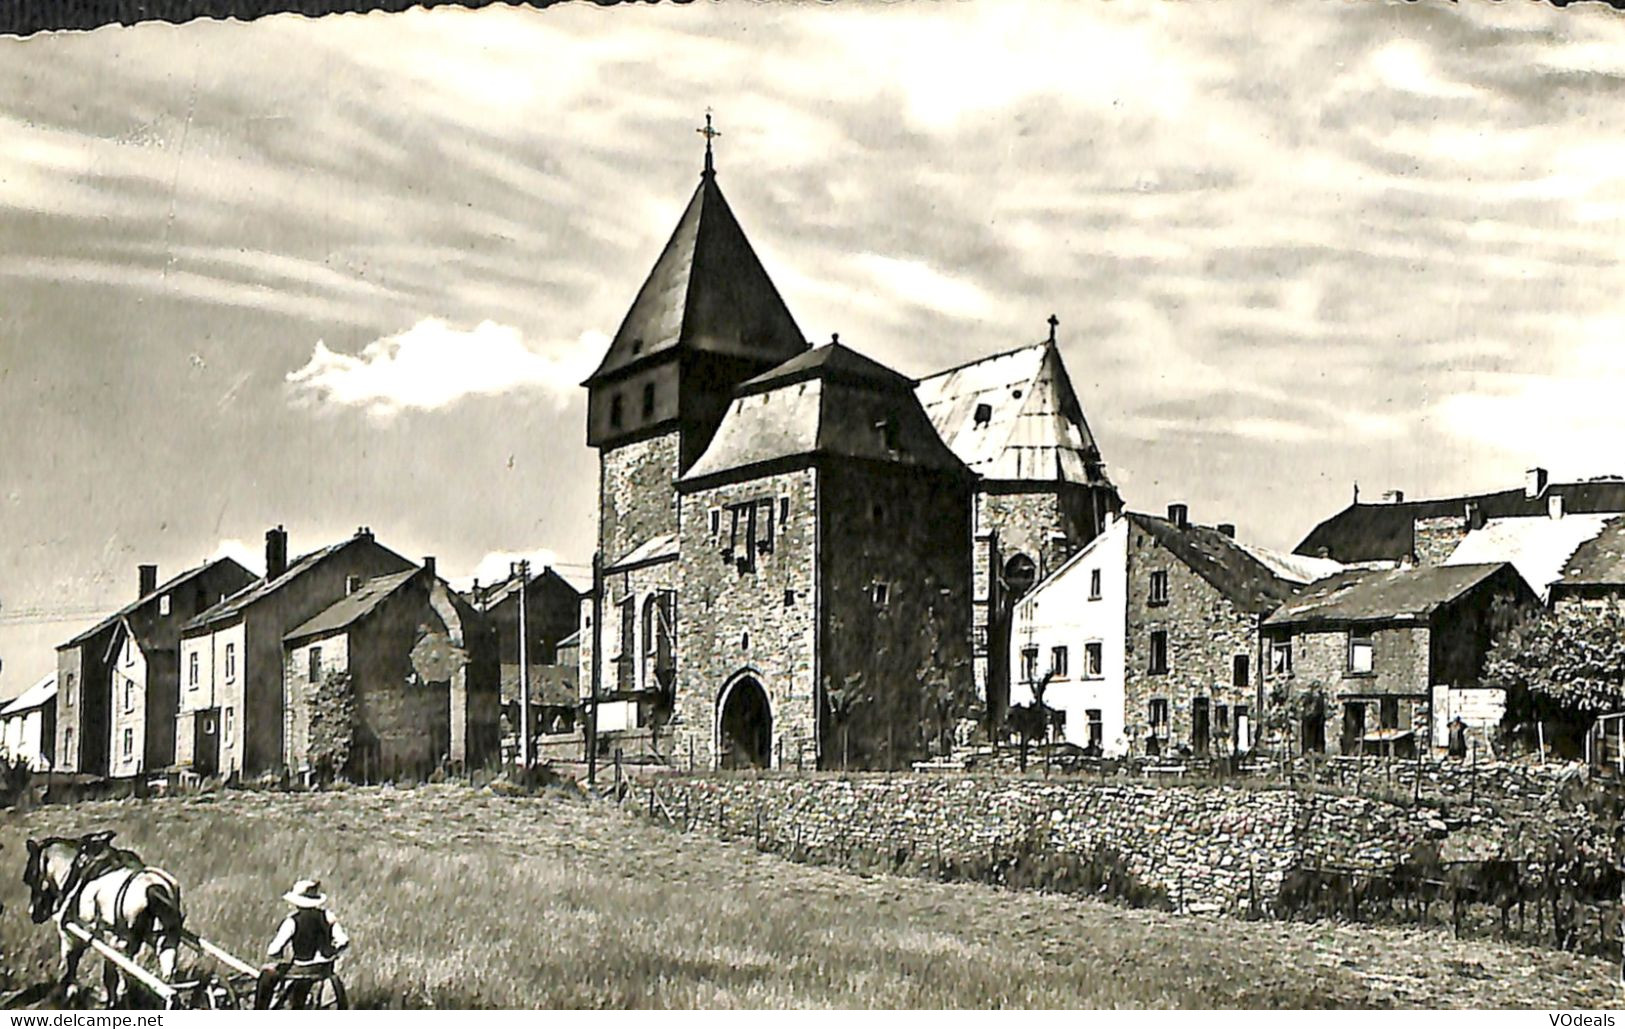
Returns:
point(332, 710)
point(1561, 664)
point(1032, 721)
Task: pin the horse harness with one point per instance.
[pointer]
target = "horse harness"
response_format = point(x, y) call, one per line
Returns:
point(88, 867)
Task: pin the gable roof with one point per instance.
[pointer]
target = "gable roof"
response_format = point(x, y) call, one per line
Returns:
point(1224, 564)
point(706, 292)
point(1384, 532)
point(828, 402)
point(1385, 594)
point(352, 607)
point(1294, 568)
point(650, 551)
point(1014, 416)
point(124, 612)
point(37, 695)
point(496, 593)
point(1598, 561)
point(1538, 547)
point(258, 590)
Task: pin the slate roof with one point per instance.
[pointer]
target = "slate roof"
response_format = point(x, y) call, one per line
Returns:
point(1379, 595)
point(657, 548)
point(235, 604)
point(1218, 559)
point(1538, 547)
point(1293, 567)
point(1383, 532)
point(352, 607)
point(707, 292)
point(130, 608)
point(829, 402)
point(1599, 561)
point(37, 695)
point(1034, 427)
point(496, 593)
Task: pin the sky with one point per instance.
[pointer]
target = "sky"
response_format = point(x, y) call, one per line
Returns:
point(350, 271)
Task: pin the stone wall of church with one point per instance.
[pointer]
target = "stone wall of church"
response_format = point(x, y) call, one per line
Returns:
point(637, 494)
point(758, 621)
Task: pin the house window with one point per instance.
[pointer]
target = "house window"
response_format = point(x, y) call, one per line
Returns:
point(1240, 673)
point(67, 745)
point(1058, 662)
point(978, 639)
point(877, 513)
point(1097, 728)
point(67, 694)
point(231, 724)
point(1029, 664)
point(129, 695)
point(1221, 722)
point(1388, 712)
point(315, 664)
point(1093, 660)
point(129, 742)
point(1359, 652)
point(192, 670)
point(880, 593)
point(1281, 657)
point(231, 661)
point(129, 653)
point(163, 606)
point(615, 411)
point(1159, 717)
point(1159, 652)
point(1159, 588)
point(648, 400)
point(887, 429)
point(1094, 584)
point(984, 414)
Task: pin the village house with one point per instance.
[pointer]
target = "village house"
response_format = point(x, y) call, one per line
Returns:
point(231, 712)
point(28, 725)
point(1426, 532)
point(1541, 547)
point(419, 663)
point(552, 614)
point(1015, 420)
point(1147, 641)
point(1594, 574)
point(1394, 655)
point(115, 701)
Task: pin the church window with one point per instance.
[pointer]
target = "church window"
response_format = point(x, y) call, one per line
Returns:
point(716, 522)
point(742, 530)
point(615, 411)
point(648, 400)
point(984, 413)
point(784, 511)
point(764, 525)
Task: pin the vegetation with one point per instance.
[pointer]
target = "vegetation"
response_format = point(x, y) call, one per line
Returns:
point(332, 725)
point(1562, 663)
point(462, 898)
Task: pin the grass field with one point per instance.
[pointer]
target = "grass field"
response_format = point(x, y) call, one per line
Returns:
point(458, 898)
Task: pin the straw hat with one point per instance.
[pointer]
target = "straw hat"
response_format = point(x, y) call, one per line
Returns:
point(306, 893)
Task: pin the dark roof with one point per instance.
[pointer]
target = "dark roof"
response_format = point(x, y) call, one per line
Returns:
point(353, 606)
point(572, 640)
point(1383, 532)
point(496, 593)
point(707, 292)
point(235, 604)
point(830, 402)
point(133, 606)
point(1377, 595)
point(1599, 561)
point(1217, 558)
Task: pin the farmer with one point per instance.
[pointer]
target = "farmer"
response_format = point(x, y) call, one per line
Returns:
point(312, 933)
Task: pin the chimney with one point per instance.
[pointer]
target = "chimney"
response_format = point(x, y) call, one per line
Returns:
point(276, 552)
point(1179, 514)
point(363, 532)
point(1475, 516)
point(428, 566)
point(1554, 506)
point(149, 578)
point(1227, 529)
point(351, 584)
point(1534, 482)
point(1394, 496)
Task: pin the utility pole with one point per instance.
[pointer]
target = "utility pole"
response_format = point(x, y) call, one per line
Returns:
point(525, 756)
point(597, 665)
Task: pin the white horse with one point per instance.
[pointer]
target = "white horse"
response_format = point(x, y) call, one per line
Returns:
point(108, 891)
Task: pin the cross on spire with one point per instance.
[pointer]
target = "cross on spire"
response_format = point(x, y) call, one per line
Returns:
point(709, 133)
point(1053, 322)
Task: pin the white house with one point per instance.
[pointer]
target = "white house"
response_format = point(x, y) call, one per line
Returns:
point(28, 724)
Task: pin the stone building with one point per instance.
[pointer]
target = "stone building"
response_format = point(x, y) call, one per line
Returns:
point(1428, 531)
point(1392, 654)
point(1042, 493)
point(419, 661)
point(115, 701)
point(28, 725)
point(1594, 574)
point(1147, 640)
point(231, 712)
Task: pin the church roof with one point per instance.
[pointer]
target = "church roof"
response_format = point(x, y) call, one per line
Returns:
point(1014, 416)
point(707, 292)
point(830, 402)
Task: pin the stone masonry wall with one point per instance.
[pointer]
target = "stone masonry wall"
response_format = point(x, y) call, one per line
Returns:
point(1400, 664)
point(1206, 633)
point(638, 498)
point(1436, 538)
point(1200, 845)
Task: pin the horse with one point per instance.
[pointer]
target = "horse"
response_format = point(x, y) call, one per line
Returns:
point(107, 890)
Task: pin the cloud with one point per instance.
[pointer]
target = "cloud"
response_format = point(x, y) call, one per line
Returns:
point(433, 365)
point(919, 284)
point(496, 565)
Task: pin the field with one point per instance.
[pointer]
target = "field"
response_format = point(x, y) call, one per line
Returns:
point(459, 898)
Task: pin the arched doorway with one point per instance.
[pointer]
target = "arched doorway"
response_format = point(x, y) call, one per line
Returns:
point(744, 726)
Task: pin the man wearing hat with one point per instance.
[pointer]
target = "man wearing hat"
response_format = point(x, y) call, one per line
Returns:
point(312, 932)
